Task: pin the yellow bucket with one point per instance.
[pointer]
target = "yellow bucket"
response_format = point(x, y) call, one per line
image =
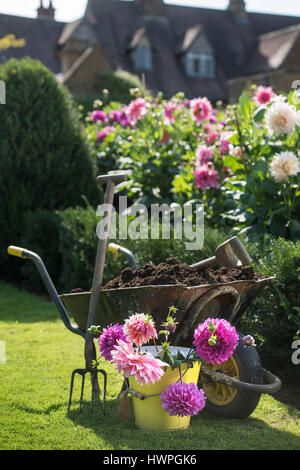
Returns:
point(149, 413)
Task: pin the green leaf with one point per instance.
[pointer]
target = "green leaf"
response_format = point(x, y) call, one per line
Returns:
point(259, 114)
point(293, 97)
point(234, 138)
point(246, 106)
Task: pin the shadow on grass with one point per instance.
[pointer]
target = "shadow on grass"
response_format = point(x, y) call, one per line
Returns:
point(206, 431)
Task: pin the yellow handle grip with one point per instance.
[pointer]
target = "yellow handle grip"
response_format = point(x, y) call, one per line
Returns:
point(113, 247)
point(16, 251)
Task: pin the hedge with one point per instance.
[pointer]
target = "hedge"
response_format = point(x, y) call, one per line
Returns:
point(45, 160)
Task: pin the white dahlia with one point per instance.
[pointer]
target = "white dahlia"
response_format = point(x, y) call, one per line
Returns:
point(282, 118)
point(283, 165)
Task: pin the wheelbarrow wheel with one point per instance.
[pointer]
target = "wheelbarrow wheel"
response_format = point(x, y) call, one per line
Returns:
point(228, 402)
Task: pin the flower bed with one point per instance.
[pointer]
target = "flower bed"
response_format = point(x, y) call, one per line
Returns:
point(241, 160)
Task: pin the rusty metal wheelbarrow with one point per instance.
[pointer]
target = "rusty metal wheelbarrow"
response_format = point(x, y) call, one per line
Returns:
point(233, 389)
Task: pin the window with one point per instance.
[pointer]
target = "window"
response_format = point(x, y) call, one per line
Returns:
point(142, 55)
point(200, 65)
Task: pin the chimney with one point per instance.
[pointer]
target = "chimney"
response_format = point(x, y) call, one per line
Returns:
point(238, 9)
point(46, 13)
point(151, 7)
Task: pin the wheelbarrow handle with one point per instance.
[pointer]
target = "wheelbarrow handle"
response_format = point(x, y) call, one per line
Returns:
point(114, 248)
point(23, 253)
point(271, 383)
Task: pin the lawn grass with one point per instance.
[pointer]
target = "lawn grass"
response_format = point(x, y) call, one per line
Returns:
point(34, 387)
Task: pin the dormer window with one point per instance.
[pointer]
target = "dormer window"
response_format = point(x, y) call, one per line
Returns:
point(142, 55)
point(197, 54)
point(200, 65)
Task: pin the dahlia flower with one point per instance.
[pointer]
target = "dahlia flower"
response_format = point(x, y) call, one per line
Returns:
point(225, 344)
point(143, 366)
point(136, 110)
point(119, 117)
point(169, 117)
point(104, 133)
point(98, 115)
point(201, 109)
point(139, 329)
point(283, 165)
point(263, 95)
point(224, 143)
point(281, 117)
point(109, 338)
point(203, 154)
point(206, 177)
point(182, 399)
point(211, 138)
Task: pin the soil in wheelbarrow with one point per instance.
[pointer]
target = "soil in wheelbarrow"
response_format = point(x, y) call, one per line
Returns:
point(172, 271)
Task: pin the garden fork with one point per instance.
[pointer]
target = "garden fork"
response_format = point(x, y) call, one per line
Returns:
point(90, 355)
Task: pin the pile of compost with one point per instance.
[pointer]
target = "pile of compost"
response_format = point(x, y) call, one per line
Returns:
point(172, 271)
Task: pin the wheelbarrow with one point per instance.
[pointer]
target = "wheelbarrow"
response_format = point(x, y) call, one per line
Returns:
point(233, 388)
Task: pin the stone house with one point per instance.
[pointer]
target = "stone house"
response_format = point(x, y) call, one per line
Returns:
point(200, 51)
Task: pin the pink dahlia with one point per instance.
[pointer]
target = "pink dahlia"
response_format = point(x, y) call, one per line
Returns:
point(143, 366)
point(263, 94)
point(104, 133)
point(182, 399)
point(109, 338)
point(201, 109)
point(204, 154)
point(224, 143)
point(211, 138)
point(206, 177)
point(139, 329)
point(136, 110)
point(219, 348)
point(119, 117)
point(169, 117)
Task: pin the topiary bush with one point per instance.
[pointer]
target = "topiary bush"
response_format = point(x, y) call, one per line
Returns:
point(45, 160)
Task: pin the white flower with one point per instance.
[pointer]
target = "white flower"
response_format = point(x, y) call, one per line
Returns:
point(283, 165)
point(281, 117)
